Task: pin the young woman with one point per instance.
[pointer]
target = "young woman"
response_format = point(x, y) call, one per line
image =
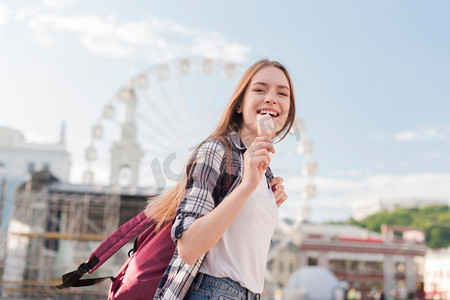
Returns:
point(226, 208)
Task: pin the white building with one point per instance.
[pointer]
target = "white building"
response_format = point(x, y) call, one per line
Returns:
point(437, 273)
point(364, 208)
point(18, 159)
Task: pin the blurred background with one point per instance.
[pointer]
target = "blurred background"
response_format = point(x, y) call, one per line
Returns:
point(102, 102)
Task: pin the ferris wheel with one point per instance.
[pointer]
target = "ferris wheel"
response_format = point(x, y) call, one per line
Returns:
point(148, 128)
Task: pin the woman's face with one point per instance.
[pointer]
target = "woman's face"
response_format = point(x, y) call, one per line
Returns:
point(267, 93)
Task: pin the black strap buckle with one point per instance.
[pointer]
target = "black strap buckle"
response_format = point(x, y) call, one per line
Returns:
point(83, 269)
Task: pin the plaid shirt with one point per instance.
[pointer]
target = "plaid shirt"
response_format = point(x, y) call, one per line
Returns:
point(211, 179)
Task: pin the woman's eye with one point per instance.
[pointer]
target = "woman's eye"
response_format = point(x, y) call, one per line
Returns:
point(283, 94)
point(258, 90)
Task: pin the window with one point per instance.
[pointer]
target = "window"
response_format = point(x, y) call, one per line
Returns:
point(337, 264)
point(354, 265)
point(374, 266)
point(125, 175)
point(31, 167)
point(46, 166)
point(312, 261)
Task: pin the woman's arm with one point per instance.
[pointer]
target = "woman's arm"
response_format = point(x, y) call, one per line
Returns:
point(205, 231)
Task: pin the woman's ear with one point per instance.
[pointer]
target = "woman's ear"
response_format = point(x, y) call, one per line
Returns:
point(238, 109)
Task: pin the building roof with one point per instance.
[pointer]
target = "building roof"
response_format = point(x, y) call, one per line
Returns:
point(338, 231)
point(64, 187)
point(44, 178)
point(13, 139)
point(10, 137)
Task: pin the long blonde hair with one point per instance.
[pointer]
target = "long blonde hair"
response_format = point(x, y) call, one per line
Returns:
point(162, 208)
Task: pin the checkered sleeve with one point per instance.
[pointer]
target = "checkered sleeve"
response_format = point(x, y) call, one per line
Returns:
point(269, 174)
point(198, 199)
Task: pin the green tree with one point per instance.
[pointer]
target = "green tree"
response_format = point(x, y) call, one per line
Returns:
point(434, 220)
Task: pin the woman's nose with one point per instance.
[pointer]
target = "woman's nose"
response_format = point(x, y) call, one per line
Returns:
point(270, 99)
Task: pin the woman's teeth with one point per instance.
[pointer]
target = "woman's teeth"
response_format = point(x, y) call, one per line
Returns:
point(269, 112)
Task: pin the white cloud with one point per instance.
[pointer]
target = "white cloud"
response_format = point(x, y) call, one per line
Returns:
point(349, 173)
point(405, 136)
point(423, 133)
point(4, 14)
point(25, 13)
point(215, 46)
point(57, 3)
point(336, 195)
point(152, 36)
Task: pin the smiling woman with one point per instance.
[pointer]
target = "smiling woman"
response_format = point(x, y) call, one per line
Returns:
point(166, 112)
point(228, 179)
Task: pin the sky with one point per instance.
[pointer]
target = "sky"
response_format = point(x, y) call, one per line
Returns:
point(371, 80)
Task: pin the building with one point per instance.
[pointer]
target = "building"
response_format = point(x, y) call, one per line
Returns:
point(55, 226)
point(368, 261)
point(19, 158)
point(364, 208)
point(437, 273)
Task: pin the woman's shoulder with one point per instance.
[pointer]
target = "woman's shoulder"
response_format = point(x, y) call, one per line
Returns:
point(215, 144)
point(223, 142)
point(211, 147)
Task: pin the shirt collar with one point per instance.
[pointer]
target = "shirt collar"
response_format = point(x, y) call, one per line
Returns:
point(237, 141)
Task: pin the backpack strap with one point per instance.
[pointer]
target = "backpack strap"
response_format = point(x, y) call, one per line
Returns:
point(104, 251)
point(73, 279)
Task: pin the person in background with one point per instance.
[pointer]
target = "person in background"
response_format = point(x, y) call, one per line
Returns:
point(420, 293)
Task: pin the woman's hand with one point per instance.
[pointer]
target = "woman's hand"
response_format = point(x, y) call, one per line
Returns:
point(256, 160)
point(278, 190)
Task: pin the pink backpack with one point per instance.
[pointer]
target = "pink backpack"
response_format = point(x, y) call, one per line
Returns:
point(141, 273)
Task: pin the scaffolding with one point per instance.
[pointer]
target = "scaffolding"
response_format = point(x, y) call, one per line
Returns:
point(54, 227)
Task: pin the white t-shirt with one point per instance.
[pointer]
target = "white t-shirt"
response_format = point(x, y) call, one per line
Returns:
point(241, 253)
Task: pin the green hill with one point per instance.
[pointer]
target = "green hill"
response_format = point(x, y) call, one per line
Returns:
point(435, 220)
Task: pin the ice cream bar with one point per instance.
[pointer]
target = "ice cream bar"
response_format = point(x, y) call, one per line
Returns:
point(265, 125)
